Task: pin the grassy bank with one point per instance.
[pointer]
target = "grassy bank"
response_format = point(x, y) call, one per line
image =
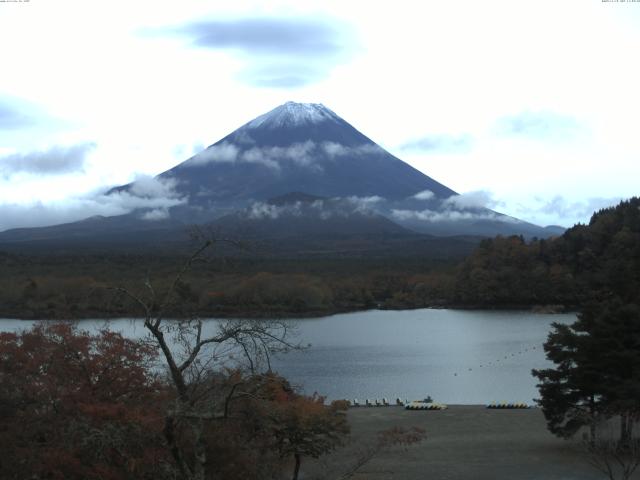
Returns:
point(463, 442)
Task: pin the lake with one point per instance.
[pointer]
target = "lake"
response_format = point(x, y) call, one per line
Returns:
point(455, 356)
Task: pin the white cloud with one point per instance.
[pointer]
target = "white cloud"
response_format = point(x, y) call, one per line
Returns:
point(147, 193)
point(261, 210)
point(334, 150)
point(225, 152)
point(334, 207)
point(540, 125)
point(146, 186)
point(564, 208)
point(156, 214)
point(475, 205)
point(256, 155)
point(475, 199)
point(440, 142)
point(444, 215)
point(272, 157)
point(424, 195)
point(560, 210)
point(300, 154)
point(364, 204)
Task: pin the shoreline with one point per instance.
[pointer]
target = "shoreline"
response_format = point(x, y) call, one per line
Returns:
point(285, 314)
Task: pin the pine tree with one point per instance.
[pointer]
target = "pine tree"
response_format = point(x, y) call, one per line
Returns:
point(597, 373)
point(570, 393)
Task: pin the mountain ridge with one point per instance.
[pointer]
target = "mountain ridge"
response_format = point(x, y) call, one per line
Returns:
point(301, 153)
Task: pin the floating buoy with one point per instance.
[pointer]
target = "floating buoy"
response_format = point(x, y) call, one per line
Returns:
point(418, 405)
point(508, 405)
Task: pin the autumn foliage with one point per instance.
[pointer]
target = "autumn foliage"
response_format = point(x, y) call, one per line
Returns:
point(76, 406)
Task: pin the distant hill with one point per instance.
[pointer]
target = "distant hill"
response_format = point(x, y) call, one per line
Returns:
point(584, 263)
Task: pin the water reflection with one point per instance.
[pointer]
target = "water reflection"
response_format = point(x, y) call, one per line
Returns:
point(455, 356)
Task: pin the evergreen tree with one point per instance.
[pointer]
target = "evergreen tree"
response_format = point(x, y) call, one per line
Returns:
point(597, 373)
point(571, 392)
point(615, 326)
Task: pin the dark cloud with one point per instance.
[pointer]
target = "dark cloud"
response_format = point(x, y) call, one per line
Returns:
point(280, 52)
point(56, 160)
point(539, 125)
point(268, 36)
point(440, 143)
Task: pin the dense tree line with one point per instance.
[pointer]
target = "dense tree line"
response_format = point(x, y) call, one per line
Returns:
point(594, 259)
point(503, 272)
point(596, 376)
point(51, 287)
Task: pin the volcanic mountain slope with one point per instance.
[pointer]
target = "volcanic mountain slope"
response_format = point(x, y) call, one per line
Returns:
point(307, 148)
point(299, 147)
point(295, 147)
point(345, 184)
point(301, 215)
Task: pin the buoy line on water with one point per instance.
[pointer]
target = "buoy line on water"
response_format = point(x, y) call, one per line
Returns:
point(428, 404)
point(505, 357)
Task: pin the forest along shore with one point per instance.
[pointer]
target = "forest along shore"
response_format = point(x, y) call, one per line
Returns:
point(68, 286)
point(462, 442)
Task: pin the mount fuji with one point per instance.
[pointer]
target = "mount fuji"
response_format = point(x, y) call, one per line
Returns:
point(298, 170)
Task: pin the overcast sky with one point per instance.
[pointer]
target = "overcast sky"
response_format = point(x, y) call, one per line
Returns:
point(531, 104)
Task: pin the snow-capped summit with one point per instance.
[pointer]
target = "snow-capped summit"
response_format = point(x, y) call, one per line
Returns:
point(292, 114)
point(303, 147)
point(293, 155)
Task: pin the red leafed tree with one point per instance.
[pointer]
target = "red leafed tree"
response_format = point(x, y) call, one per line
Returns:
point(79, 406)
point(301, 426)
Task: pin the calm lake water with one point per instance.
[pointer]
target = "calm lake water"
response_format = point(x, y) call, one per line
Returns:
point(456, 357)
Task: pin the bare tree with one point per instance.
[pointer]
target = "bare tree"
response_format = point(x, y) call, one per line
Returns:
point(193, 353)
point(616, 458)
